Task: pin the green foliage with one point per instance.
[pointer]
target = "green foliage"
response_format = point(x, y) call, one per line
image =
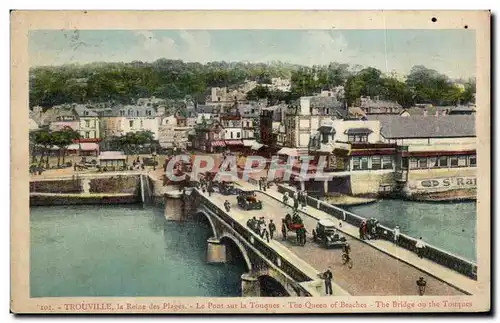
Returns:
point(132, 141)
point(274, 96)
point(176, 80)
point(126, 82)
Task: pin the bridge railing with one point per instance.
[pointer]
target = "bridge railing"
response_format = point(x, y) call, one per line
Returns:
point(433, 253)
point(286, 266)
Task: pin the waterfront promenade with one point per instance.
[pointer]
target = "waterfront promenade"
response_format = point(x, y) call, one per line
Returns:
point(380, 258)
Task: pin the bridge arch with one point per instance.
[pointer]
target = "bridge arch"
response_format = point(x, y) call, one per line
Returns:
point(229, 237)
point(269, 286)
point(203, 214)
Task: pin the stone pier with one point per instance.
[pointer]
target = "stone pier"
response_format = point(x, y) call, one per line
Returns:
point(250, 286)
point(216, 251)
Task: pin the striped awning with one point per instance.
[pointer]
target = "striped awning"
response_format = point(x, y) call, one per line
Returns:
point(234, 143)
point(218, 143)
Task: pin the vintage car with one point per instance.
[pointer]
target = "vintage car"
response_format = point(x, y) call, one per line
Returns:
point(228, 188)
point(327, 234)
point(147, 161)
point(247, 200)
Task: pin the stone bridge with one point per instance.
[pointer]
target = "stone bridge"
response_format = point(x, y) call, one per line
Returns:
point(272, 269)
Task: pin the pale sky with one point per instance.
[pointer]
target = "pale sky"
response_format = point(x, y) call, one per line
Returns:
point(451, 52)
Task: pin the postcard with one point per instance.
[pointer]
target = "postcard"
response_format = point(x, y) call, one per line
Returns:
point(250, 162)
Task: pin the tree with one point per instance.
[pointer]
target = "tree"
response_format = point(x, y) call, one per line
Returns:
point(132, 141)
point(63, 138)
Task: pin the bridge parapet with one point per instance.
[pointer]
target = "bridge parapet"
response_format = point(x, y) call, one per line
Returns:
point(444, 258)
point(303, 278)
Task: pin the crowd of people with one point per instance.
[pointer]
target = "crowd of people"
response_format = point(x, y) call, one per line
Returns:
point(259, 226)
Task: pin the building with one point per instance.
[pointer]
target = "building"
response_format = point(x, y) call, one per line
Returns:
point(89, 128)
point(233, 131)
point(377, 106)
point(302, 119)
point(436, 155)
point(151, 102)
point(279, 84)
point(250, 122)
point(209, 136)
point(173, 132)
point(61, 117)
point(134, 118)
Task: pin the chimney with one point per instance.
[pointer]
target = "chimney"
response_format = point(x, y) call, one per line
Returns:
point(425, 112)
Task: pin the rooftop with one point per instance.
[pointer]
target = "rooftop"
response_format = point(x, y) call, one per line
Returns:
point(395, 126)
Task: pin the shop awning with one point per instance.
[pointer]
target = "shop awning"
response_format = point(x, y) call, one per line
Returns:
point(288, 151)
point(234, 143)
point(249, 143)
point(89, 146)
point(111, 155)
point(358, 131)
point(326, 129)
point(218, 143)
point(73, 147)
point(257, 146)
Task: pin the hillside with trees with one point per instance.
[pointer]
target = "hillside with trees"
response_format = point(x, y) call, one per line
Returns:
point(175, 79)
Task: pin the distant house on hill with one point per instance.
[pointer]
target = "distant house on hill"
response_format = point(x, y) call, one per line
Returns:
point(377, 106)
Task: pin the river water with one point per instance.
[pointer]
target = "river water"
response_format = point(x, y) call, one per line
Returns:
point(448, 226)
point(123, 251)
point(134, 251)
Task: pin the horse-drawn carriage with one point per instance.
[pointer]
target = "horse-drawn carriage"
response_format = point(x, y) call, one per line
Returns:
point(247, 200)
point(295, 224)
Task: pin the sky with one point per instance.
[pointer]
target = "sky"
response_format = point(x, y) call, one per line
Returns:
point(451, 52)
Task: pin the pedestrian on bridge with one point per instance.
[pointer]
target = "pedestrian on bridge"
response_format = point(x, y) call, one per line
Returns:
point(396, 234)
point(260, 183)
point(295, 204)
point(285, 198)
point(420, 245)
point(328, 276)
point(283, 229)
point(265, 234)
point(272, 228)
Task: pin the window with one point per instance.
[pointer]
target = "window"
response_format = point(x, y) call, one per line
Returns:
point(376, 162)
point(122, 113)
point(443, 161)
point(387, 162)
point(137, 113)
point(324, 137)
point(422, 163)
point(131, 123)
point(86, 113)
point(454, 161)
point(413, 163)
point(130, 112)
point(87, 134)
point(357, 138)
point(87, 123)
point(238, 135)
point(432, 162)
point(148, 112)
point(231, 135)
point(472, 161)
point(462, 161)
point(359, 163)
point(404, 162)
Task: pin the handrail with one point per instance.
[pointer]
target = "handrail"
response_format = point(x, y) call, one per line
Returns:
point(431, 252)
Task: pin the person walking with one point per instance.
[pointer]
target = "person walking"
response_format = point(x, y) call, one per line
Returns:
point(420, 245)
point(304, 199)
point(328, 276)
point(283, 229)
point(396, 234)
point(260, 183)
point(285, 198)
point(361, 231)
point(264, 184)
point(421, 283)
point(272, 228)
point(295, 204)
point(265, 234)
